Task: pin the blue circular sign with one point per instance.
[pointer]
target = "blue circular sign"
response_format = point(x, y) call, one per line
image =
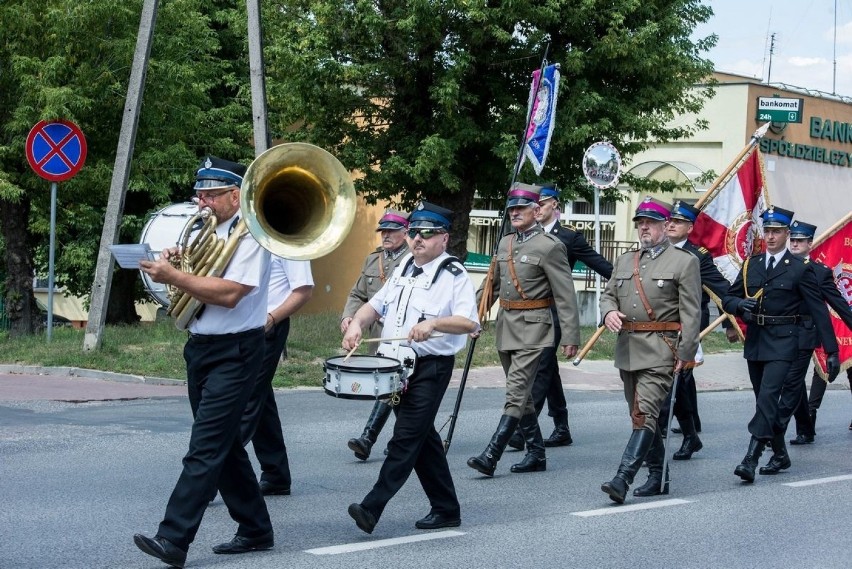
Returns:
point(56, 150)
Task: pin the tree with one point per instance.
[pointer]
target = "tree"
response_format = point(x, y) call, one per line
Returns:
point(70, 59)
point(428, 98)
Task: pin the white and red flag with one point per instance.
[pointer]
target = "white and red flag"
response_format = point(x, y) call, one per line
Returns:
point(729, 223)
point(834, 250)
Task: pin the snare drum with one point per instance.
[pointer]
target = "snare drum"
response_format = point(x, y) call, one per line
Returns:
point(362, 377)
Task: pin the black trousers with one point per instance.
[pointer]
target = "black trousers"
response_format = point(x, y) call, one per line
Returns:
point(547, 385)
point(810, 403)
point(416, 445)
point(220, 374)
point(261, 423)
point(777, 393)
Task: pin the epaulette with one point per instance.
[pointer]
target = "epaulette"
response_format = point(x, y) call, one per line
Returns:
point(449, 264)
point(569, 226)
point(552, 237)
point(703, 250)
point(379, 249)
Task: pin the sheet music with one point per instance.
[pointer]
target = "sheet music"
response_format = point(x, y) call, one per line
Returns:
point(128, 256)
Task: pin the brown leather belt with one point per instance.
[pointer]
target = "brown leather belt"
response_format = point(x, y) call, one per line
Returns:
point(650, 326)
point(525, 304)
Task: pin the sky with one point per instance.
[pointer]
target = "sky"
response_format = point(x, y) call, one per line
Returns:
point(804, 51)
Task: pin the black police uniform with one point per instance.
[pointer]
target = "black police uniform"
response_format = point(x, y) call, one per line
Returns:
point(771, 345)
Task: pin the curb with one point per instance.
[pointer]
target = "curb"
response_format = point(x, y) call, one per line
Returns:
point(89, 374)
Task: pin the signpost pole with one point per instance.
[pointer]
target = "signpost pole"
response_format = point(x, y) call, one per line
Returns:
point(50, 273)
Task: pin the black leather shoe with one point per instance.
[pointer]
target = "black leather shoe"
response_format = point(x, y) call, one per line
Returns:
point(560, 437)
point(677, 430)
point(484, 463)
point(361, 447)
point(242, 544)
point(776, 465)
point(802, 440)
point(689, 446)
point(269, 489)
point(363, 517)
point(162, 549)
point(530, 463)
point(437, 521)
point(616, 488)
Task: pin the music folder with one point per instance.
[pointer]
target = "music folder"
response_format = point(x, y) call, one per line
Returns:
point(128, 256)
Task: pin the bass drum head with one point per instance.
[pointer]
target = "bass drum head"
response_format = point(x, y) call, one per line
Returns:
point(161, 231)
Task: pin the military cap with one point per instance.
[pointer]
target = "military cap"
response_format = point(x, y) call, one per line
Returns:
point(682, 210)
point(652, 209)
point(215, 173)
point(549, 191)
point(393, 219)
point(802, 230)
point(777, 217)
point(430, 216)
point(521, 195)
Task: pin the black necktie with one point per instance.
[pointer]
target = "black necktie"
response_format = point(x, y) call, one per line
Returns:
point(417, 271)
point(771, 265)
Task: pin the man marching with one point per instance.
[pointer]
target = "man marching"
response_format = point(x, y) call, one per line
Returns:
point(653, 303)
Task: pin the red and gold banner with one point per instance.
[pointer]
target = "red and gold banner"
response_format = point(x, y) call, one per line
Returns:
point(834, 250)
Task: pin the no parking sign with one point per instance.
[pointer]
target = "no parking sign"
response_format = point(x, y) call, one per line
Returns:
point(56, 150)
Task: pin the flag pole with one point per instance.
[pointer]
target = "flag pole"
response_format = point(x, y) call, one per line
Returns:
point(732, 168)
point(487, 300)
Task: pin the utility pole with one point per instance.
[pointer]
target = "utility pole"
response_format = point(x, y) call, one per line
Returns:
point(771, 52)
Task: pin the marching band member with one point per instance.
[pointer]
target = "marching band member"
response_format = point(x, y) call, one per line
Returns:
point(223, 357)
point(429, 292)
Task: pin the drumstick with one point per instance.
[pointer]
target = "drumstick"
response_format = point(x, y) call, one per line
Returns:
point(355, 347)
point(435, 335)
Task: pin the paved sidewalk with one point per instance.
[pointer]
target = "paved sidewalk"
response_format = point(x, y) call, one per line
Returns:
point(720, 372)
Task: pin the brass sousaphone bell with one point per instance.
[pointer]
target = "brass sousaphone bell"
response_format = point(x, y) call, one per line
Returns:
point(297, 201)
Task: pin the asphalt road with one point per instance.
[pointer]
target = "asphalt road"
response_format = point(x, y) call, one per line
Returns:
point(77, 480)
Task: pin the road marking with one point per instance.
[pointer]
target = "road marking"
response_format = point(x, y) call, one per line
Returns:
point(631, 508)
point(814, 481)
point(362, 546)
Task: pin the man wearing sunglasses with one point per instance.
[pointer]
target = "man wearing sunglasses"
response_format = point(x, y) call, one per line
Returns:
point(378, 266)
point(430, 300)
point(530, 276)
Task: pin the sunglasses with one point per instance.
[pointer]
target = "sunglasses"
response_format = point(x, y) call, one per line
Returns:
point(209, 196)
point(424, 234)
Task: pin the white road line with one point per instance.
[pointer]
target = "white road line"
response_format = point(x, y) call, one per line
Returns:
point(364, 545)
point(631, 508)
point(814, 481)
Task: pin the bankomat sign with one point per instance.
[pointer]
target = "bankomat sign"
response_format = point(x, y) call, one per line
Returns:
point(779, 109)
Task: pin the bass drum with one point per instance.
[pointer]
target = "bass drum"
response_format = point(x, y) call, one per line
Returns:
point(161, 231)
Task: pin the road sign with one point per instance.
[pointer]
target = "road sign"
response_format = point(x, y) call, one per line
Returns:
point(56, 150)
point(779, 109)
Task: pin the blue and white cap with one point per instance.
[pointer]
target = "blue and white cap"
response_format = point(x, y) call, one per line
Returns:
point(430, 216)
point(215, 173)
point(684, 211)
point(777, 217)
point(549, 190)
point(802, 230)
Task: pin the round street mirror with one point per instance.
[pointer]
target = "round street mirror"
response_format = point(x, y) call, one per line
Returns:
point(602, 165)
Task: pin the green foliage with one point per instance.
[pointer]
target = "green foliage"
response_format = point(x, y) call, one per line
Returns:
point(429, 98)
